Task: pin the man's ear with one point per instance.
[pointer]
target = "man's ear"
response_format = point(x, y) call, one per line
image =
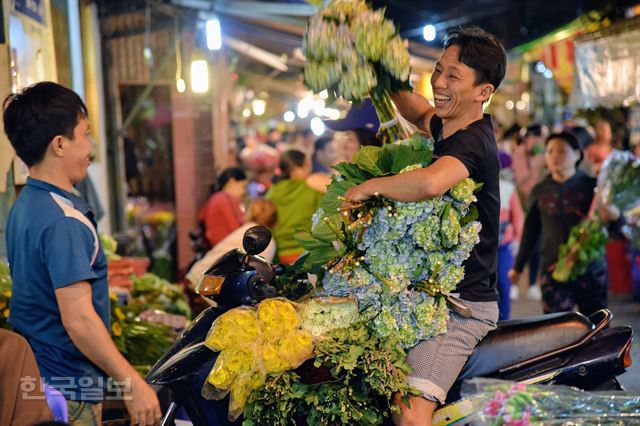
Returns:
point(57, 146)
point(486, 92)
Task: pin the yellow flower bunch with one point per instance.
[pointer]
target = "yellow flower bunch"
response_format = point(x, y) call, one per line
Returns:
point(277, 317)
point(160, 217)
point(252, 344)
point(237, 325)
point(230, 365)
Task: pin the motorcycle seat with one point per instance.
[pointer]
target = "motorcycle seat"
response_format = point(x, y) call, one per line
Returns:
point(521, 339)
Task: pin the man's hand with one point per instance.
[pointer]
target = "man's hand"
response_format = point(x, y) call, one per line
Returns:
point(357, 193)
point(143, 405)
point(514, 276)
point(89, 334)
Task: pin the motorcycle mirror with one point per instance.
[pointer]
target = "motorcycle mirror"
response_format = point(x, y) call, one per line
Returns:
point(256, 239)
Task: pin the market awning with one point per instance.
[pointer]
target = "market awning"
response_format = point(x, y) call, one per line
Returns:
point(608, 67)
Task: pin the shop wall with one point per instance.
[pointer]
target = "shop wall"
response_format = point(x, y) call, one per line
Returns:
point(26, 56)
point(95, 100)
point(6, 151)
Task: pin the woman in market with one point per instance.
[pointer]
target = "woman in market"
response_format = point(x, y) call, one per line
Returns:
point(297, 196)
point(223, 212)
point(559, 202)
point(260, 212)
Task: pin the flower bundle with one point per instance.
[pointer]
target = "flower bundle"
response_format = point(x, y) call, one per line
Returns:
point(109, 246)
point(351, 380)
point(585, 245)
point(619, 184)
point(353, 52)
point(397, 259)
point(152, 292)
point(253, 343)
point(142, 343)
point(515, 404)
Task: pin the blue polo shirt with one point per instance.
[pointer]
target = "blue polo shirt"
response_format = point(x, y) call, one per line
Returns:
point(52, 242)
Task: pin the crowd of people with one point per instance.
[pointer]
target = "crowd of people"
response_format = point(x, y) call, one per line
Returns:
point(286, 176)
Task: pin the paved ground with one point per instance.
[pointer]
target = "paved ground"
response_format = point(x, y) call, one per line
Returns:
point(626, 311)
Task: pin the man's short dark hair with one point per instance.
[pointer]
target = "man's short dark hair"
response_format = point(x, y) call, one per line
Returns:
point(480, 51)
point(39, 113)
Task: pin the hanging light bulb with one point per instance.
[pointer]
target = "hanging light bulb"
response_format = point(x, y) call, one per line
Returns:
point(181, 86)
point(199, 76)
point(214, 34)
point(317, 126)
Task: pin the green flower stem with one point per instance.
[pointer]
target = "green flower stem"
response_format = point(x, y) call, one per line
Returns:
point(384, 108)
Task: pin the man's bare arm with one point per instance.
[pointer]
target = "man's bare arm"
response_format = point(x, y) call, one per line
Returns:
point(415, 108)
point(89, 334)
point(430, 182)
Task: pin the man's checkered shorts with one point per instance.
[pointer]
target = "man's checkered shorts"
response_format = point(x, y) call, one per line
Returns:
point(437, 362)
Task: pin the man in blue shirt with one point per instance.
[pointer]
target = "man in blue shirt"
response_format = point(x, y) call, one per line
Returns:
point(60, 300)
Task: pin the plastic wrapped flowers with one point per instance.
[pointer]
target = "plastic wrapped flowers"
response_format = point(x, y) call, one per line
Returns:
point(397, 259)
point(515, 404)
point(254, 343)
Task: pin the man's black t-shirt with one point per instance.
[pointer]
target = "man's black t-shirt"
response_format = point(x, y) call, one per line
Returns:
point(475, 146)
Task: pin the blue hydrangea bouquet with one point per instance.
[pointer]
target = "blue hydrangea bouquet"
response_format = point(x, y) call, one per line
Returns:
point(398, 259)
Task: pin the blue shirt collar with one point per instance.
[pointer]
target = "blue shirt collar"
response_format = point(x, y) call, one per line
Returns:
point(78, 203)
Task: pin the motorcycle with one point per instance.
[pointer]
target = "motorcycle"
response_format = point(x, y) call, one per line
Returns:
point(565, 348)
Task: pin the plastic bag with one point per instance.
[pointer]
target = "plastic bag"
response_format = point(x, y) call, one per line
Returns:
point(237, 325)
point(619, 179)
point(516, 404)
point(619, 185)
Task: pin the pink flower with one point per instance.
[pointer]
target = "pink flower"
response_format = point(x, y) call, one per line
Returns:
point(518, 387)
point(494, 406)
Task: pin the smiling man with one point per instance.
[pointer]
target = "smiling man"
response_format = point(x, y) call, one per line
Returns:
point(470, 69)
point(60, 299)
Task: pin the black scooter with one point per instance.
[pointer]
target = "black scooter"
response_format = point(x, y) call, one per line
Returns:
point(566, 348)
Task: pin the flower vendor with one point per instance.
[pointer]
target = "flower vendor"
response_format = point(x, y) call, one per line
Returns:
point(469, 71)
point(60, 299)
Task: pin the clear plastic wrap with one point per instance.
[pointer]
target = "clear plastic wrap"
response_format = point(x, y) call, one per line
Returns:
point(501, 403)
point(323, 314)
point(619, 185)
